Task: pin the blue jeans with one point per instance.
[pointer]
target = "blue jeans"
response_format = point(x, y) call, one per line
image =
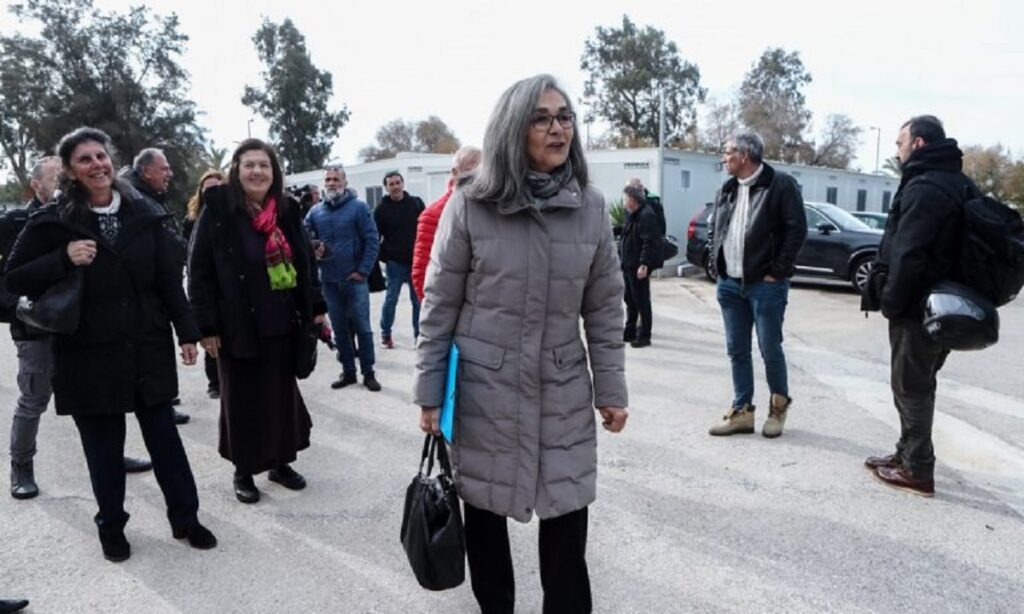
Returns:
point(348, 305)
point(398, 275)
point(760, 305)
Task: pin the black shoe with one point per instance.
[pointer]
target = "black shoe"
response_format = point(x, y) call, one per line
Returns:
point(136, 465)
point(371, 383)
point(213, 393)
point(628, 337)
point(287, 477)
point(640, 343)
point(8, 606)
point(23, 480)
point(180, 418)
point(176, 401)
point(199, 537)
point(344, 380)
point(245, 488)
point(115, 547)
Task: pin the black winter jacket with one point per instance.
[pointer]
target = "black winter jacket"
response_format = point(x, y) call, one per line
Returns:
point(219, 288)
point(776, 228)
point(122, 355)
point(396, 224)
point(641, 240)
point(11, 225)
point(921, 234)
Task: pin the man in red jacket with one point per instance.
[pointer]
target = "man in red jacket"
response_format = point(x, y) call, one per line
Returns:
point(466, 159)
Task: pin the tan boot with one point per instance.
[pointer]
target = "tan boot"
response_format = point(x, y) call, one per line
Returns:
point(737, 421)
point(776, 416)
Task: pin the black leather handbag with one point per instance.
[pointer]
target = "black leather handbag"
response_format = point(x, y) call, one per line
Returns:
point(376, 283)
point(432, 532)
point(59, 308)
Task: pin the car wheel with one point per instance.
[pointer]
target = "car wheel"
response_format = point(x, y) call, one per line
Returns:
point(708, 273)
point(860, 271)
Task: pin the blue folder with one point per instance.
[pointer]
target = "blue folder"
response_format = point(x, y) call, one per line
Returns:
point(450, 387)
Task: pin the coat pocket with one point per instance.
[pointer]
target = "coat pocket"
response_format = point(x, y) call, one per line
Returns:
point(569, 354)
point(480, 352)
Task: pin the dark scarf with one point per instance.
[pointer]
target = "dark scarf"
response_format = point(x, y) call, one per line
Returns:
point(277, 252)
point(543, 186)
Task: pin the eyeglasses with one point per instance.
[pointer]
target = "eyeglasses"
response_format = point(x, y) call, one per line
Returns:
point(543, 123)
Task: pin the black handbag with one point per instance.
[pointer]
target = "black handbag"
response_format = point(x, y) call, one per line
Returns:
point(59, 308)
point(375, 283)
point(305, 349)
point(432, 532)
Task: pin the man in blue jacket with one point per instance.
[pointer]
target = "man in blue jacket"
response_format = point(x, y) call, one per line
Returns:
point(348, 248)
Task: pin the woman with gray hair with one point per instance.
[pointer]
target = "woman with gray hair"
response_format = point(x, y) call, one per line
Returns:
point(522, 254)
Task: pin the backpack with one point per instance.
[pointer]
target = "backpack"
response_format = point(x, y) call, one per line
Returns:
point(990, 257)
point(11, 224)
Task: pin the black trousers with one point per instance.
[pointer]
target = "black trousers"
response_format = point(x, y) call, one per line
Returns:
point(212, 374)
point(916, 360)
point(103, 442)
point(563, 565)
point(638, 306)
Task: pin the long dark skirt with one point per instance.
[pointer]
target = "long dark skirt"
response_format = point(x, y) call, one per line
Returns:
point(263, 420)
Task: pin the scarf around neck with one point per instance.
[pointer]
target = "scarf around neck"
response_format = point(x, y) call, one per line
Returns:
point(543, 186)
point(277, 252)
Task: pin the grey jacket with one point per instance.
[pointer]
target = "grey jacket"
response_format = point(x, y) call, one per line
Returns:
point(509, 283)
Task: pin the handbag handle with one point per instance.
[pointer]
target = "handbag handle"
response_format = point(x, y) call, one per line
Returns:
point(434, 447)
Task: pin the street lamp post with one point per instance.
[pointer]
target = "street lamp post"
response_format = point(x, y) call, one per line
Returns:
point(248, 127)
point(878, 144)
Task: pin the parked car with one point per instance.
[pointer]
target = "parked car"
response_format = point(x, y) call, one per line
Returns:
point(697, 240)
point(873, 219)
point(838, 245)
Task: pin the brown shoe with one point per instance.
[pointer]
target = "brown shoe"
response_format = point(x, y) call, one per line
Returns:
point(900, 478)
point(737, 421)
point(874, 462)
point(777, 407)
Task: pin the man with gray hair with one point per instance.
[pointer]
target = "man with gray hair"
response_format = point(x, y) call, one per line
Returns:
point(466, 159)
point(35, 358)
point(151, 174)
point(756, 229)
point(348, 247)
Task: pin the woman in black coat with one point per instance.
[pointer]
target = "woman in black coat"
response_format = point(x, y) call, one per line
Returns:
point(120, 358)
point(252, 289)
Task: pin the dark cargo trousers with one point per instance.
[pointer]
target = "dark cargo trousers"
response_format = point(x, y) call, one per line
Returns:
point(35, 362)
point(916, 360)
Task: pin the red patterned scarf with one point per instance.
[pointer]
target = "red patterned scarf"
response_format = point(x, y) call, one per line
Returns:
point(277, 252)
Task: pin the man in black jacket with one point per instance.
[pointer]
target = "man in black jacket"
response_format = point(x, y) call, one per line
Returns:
point(640, 253)
point(151, 174)
point(756, 230)
point(35, 358)
point(397, 215)
point(917, 250)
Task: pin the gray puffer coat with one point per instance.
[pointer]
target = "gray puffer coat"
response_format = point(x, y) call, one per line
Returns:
point(509, 283)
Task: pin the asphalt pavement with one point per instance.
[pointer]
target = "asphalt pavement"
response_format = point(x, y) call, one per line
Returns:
point(683, 522)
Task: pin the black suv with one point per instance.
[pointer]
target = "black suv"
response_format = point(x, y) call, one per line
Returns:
point(838, 245)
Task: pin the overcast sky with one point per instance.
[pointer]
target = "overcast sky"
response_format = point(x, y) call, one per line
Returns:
point(877, 61)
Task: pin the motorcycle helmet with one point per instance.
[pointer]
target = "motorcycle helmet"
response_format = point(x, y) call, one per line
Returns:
point(958, 317)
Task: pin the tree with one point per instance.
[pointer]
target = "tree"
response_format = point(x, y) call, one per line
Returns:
point(215, 158)
point(431, 135)
point(892, 166)
point(990, 168)
point(294, 99)
point(627, 68)
point(837, 146)
point(118, 72)
point(772, 103)
point(721, 121)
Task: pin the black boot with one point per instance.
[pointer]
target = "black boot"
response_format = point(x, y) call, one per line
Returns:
point(245, 488)
point(23, 480)
point(115, 546)
point(12, 605)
